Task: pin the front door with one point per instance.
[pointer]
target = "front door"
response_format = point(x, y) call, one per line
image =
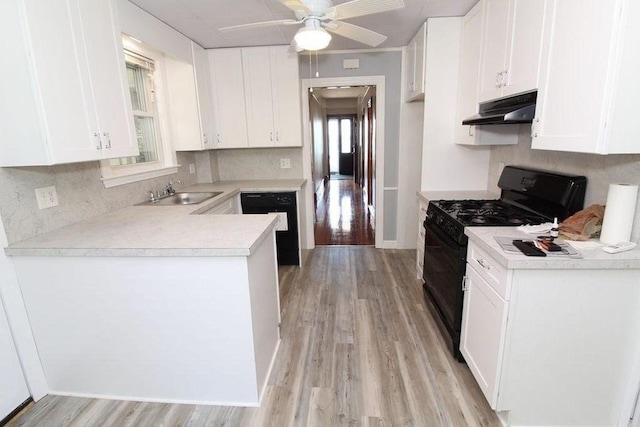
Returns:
point(341, 144)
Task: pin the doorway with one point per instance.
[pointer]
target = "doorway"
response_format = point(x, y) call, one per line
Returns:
point(342, 145)
point(343, 163)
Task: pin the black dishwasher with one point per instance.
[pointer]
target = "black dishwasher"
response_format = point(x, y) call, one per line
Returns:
point(285, 203)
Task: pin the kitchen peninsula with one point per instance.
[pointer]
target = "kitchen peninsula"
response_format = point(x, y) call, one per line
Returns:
point(157, 303)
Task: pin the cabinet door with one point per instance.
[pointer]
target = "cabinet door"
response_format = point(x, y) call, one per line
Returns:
point(575, 76)
point(203, 92)
point(525, 44)
point(228, 94)
point(256, 66)
point(183, 109)
point(69, 120)
point(471, 46)
point(109, 90)
point(285, 85)
point(496, 26)
point(484, 322)
point(410, 70)
point(419, 64)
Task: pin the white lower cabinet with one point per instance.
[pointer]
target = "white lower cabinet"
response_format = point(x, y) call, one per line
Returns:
point(551, 346)
point(227, 207)
point(484, 324)
point(422, 214)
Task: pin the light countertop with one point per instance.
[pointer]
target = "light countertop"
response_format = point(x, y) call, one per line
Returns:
point(427, 196)
point(593, 258)
point(164, 230)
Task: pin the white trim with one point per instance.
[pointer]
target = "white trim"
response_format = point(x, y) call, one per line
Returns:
point(390, 188)
point(388, 244)
point(139, 176)
point(379, 83)
point(350, 51)
point(16, 312)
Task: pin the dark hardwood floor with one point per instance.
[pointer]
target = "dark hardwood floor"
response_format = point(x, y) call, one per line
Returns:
point(342, 217)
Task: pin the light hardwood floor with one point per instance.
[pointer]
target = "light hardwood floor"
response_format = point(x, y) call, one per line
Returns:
point(358, 349)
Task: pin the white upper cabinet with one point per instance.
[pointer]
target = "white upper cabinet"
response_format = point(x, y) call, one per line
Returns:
point(65, 97)
point(272, 96)
point(190, 104)
point(468, 77)
point(227, 88)
point(587, 100)
point(414, 66)
point(512, 47)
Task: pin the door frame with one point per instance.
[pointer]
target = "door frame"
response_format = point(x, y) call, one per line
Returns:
point(307, 152)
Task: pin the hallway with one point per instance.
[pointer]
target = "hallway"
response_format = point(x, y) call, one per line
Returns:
point(342, 218)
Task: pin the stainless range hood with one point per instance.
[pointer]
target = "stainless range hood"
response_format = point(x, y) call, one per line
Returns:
point(515, 109)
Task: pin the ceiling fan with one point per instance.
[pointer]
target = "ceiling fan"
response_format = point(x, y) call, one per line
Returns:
point(320, 16)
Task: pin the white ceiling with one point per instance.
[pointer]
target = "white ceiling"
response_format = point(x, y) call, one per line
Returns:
point(200, 19)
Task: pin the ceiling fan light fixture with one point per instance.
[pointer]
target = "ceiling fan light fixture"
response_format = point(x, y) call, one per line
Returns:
point(312, 36)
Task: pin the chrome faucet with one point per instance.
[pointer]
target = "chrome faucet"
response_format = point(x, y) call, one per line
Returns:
point(161, 194)
point(170, 191)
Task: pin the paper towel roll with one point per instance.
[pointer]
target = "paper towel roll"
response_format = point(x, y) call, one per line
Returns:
point(619, 213)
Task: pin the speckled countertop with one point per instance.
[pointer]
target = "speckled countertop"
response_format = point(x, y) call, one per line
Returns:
point(164, 230)
point(426, 196)
point(593, 258)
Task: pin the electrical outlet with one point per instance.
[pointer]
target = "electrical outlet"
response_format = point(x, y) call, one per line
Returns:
point(285, 163)
point(192, 168)
point(47, 197)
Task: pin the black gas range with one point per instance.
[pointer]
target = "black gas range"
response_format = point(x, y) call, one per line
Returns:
point(528, 196)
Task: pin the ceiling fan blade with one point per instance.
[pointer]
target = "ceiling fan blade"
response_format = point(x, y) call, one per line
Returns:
point(297, 6)
point(357, 8)
point(356, 33)
point(261, 24)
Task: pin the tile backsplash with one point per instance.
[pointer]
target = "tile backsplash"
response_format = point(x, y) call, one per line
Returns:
point(81, 195)
point(599, 170)
point(258, 163)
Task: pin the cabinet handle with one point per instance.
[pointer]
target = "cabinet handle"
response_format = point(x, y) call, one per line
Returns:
point(107, 139)
point(98, 142)
point(218, 138)
point(483, 264)
point(498, 79)
point(422, 234)
point(271, 136)
point(204, 138)
point(464, 284)
point(278, 136)
point(471, 129)
point(505, 78)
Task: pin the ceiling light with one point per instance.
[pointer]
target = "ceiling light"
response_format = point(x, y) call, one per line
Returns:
point(312, 36)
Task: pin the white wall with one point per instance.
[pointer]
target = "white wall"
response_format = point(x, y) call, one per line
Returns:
point(445, 165)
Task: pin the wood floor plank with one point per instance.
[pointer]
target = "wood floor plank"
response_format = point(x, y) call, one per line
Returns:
point(358, 348)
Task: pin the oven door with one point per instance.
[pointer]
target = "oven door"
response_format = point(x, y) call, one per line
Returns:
point(444, 268)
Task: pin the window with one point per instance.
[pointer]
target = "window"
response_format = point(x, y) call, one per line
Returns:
point(155, 158)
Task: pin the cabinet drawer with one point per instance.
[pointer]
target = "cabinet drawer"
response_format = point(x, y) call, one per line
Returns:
point(226, 207)
point(488, 268)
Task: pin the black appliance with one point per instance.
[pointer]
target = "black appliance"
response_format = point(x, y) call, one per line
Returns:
point(528, 196)
point(514, 109)
point(286, 240)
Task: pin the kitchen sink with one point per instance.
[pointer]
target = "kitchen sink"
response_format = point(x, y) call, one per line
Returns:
point(183, 199)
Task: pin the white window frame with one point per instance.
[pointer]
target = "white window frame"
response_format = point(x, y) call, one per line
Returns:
point(167, 161)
